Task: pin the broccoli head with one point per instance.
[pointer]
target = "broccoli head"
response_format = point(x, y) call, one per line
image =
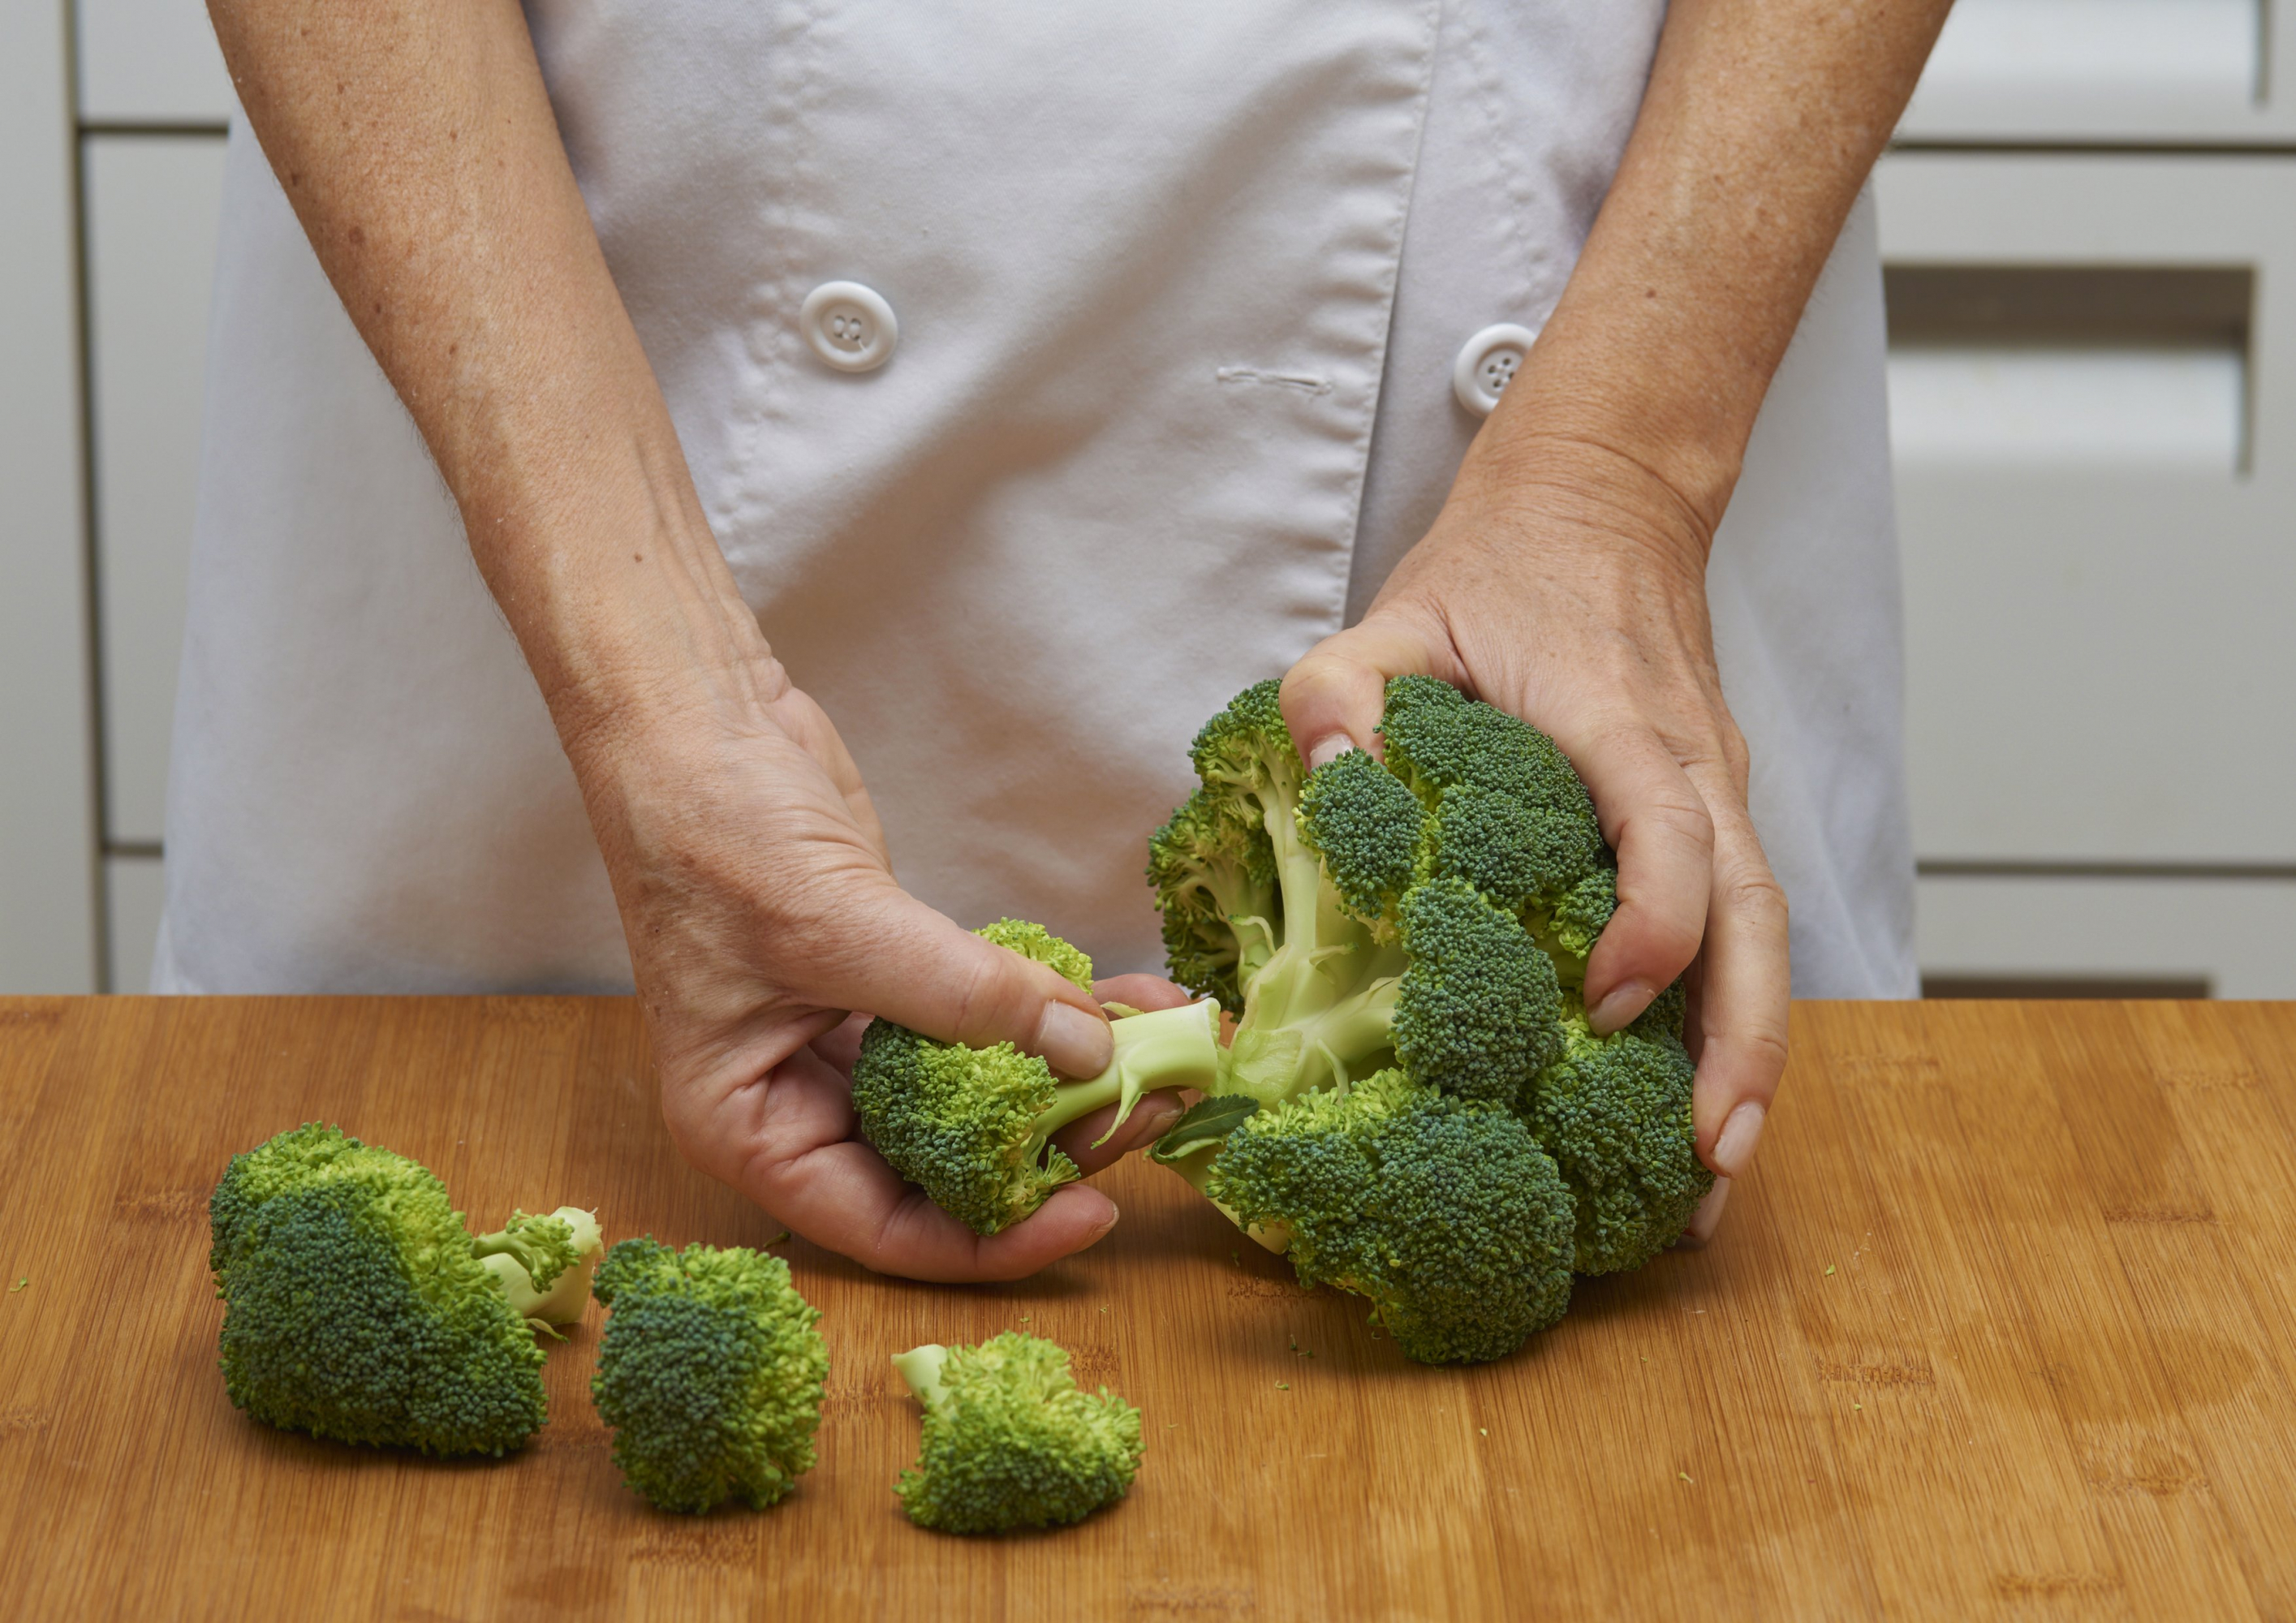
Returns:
point(972, 1127)
point(1009, 1440)
point(710, 1373)
point(355, 1305)
point(1426, 920)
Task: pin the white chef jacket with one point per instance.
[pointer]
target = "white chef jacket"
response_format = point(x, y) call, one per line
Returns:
point(1179, 285)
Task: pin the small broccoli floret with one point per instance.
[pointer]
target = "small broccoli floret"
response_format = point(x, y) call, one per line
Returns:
point(1479, 1011)
point(539, 1261)
point(1443, 1211)
point(1010, 1441)
point(1364, 825)
point(1615, 1114)
point(356, 1308)
point(710, 1373)
point(1041, 946)
point(972, 1127)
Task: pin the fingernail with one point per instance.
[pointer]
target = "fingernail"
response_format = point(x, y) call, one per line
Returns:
point(1741, 1132)
point(1325, 751)
point(1617, 1012)
point(1074, 1043)
point(1706, 1218)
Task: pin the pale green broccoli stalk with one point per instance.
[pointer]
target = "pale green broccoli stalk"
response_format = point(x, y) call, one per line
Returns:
point(1009, 1440)
point(710, 1373)
point(1430, 915)
point(972, 1127)
point(356, 1307)
point(543, 1263)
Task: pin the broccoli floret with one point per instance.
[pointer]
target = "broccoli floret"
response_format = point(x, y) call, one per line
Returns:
point(356, 1308)
point(710, 1373)
point(1443, 1211)
point(1615, 1114)
point(1479, 1011)
point(1428, 917)
point(1009, 1440)
point(538, 1261)
point(972, 1127)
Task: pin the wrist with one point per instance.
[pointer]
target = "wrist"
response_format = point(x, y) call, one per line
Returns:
point(1576, 479)
point(628, 627)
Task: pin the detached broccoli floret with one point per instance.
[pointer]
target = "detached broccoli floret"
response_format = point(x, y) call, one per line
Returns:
point(709, 1373)
point(972, 1127)
point(540, 1263)
point(1010, 1441)
point(356, 1307)
point(1431, 916)
point(1442, 1212)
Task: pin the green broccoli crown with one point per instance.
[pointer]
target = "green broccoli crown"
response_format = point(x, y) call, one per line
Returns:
point(355, 1307)
point(710, 1373)
point(1443, 1211)
point(1214, 865)
point(963, 1124)
point(1525, 812)
point(1365, 824)
point(972, 1127)
point(1479, 1011)
point(1430, 914)
point(1615, 1114)
point(1009, 1440)
point(1038, 945)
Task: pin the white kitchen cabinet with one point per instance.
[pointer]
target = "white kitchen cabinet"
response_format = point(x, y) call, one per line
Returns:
point(2098, 635)
point(2110, 72)
point(152, 209)
point(48, 936)
point(149, 61)
point(2229, 937)
point(133, 888)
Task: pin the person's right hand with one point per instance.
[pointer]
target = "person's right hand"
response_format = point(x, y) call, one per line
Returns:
point(761, 907)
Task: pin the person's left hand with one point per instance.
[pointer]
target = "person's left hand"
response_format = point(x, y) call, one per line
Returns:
point(1567, 586)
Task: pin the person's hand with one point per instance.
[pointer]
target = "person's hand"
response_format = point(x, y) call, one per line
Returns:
point(760, 908)
point(1567, 586)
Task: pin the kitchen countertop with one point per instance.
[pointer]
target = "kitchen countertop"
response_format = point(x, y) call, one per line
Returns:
point(2003, 1324)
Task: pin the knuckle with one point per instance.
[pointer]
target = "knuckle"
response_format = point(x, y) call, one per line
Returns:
point(1757, 898)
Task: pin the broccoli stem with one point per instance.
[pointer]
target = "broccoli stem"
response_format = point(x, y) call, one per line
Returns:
point(920, 1367)
point(1162, 1048)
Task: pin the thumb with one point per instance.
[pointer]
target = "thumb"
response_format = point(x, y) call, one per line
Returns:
point(1333, 697)
point(917, 968)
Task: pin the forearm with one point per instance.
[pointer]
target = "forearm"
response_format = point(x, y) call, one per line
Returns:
point(418, 148)
point(1761, 122)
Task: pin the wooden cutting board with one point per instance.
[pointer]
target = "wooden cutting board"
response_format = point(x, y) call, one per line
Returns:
point(2005, 1325)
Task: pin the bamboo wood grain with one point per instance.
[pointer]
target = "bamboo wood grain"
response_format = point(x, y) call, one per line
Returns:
point(2003, 1325)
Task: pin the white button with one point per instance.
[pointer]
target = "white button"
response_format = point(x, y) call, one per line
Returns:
point(1488, 365)
point(850, 326)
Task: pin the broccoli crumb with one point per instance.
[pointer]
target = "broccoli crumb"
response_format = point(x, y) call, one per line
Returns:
point(19, 1285)
point(1684, 1475)
point(1829, 1270)
point(1282, 1386)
